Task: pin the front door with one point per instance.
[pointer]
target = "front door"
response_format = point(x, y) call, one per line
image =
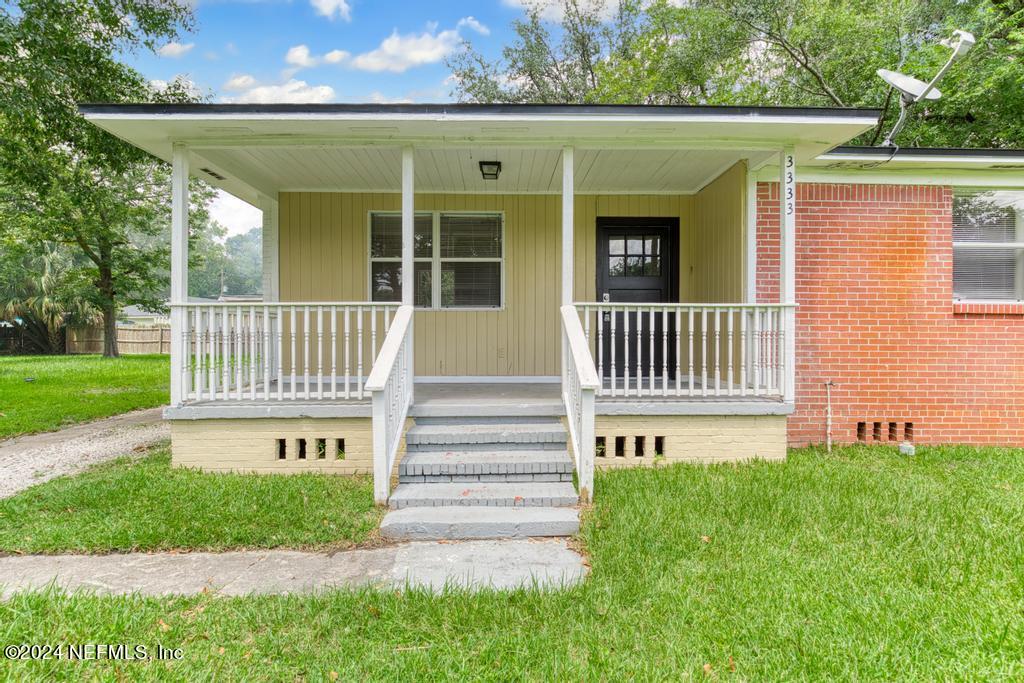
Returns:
point(637, 262)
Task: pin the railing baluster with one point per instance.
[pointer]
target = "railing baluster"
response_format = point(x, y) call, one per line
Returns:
point(279, 355)
point(729, 349)
point(226, 354)
point(689, 353)
point(334, 352)
point(293, 359)
point(373, 331)
point(212, 329)
point(664, 351)
point(319, 352)
point(359, 352)
point(348, 370)
point(679, 369)
point(238, 353)
point(704, 352)
point(718, 351)
point(265, 353)
point(599, 322)
point(625, 351)
point(756, 360)
point(743, 352)
point(650, 353)
point(185, 347)
point(640, 372)
point(611, 343)
point(305, 352)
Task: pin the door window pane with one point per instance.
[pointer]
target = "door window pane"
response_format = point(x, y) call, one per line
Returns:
point(617, 246)
point(471, 284)
point(386, 235)
point(470, 236)
point(617, 266)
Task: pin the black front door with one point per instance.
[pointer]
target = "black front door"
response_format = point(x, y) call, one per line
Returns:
point(637, 262)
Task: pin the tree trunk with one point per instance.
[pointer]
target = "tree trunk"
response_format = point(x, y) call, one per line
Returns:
point(110, 331)
point(106, 286)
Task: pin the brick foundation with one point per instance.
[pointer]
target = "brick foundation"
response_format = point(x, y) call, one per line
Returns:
point(874, 282)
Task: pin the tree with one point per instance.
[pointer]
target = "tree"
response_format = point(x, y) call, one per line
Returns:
point(39, 293)
point(70, 182)
point(774, 52)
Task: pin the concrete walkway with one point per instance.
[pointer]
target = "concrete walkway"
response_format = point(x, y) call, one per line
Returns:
point(28, 460)
point(506, 564)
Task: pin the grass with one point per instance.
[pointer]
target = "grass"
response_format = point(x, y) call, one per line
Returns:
point(145, 504)
point(43, 393)
point(859, 565)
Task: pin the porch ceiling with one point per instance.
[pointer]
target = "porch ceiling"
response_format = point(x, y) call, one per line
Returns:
point(264, 149)
point(377, 169)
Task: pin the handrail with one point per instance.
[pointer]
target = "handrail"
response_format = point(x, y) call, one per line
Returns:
point(580, 382)
point(390, 384)
point(579, 348)
point(633, 304)
point(285, 304)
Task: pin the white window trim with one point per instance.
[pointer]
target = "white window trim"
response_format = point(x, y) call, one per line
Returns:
point(436, 259)
point(1008, 246)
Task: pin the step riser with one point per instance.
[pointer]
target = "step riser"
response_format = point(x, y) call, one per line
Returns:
point(414, 447)
point(494, 478)
point(474, 522)
point(424, 531)
point(498, 418)
point(518, 501)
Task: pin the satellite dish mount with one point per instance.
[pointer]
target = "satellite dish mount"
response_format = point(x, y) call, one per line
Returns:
point(913, 91)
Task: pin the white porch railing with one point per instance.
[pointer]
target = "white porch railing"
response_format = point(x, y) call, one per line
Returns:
point(279, 351)
point(391, 385)
point(579, 382)
point(688, 350)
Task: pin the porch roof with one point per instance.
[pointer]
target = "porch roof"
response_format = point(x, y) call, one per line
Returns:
point(250, 150)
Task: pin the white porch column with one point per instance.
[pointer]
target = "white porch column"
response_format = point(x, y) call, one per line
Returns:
point(568, 197)
point(408, 250)
point(271, 267)
point(787, 261)
point(179, 267)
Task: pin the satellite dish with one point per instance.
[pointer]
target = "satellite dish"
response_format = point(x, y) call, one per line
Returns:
point(913, 91)
point(908, 85)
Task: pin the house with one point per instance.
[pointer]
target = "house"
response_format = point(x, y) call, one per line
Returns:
point(645, 283)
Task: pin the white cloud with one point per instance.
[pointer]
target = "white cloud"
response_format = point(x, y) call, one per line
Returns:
point(234, 214)
point(175, 50)
point(398, 53)
point(554, 10)
point(330, 8)
point(336, 57)
point(299, 56)
point(240, 82)
point(474, 24)
point(377, 97)
point(292, 90)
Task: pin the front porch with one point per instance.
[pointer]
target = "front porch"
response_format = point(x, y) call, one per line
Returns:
point(595, 266)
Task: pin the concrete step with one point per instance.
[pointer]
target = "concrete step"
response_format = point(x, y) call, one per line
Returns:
point(518, 494)
point(459, 435)
point(514, 465)
point(474, 521)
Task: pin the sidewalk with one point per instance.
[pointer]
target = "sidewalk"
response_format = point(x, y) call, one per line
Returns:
point(503, 564)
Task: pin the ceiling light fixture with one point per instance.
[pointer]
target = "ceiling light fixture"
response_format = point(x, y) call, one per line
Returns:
point(490, 170)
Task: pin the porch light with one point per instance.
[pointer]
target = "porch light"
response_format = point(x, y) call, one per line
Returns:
point(490, 170)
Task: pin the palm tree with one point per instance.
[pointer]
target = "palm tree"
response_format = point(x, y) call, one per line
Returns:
point(41, 301)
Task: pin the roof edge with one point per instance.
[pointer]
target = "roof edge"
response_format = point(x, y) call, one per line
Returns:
point(148, 108)
point(904, 152)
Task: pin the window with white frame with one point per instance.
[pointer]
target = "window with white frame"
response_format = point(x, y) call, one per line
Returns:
point(459, 259)
point(988, 245)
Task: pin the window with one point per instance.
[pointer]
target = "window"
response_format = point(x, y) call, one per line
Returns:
point(988, 245)
point(458, 259)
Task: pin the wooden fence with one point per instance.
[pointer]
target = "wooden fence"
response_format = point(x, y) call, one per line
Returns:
point(130, 339)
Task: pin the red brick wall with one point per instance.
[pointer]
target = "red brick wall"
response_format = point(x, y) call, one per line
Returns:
point(876, 316)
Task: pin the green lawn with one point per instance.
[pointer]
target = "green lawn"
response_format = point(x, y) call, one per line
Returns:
point(145, 504)
point(43, 393)
point(859, 565)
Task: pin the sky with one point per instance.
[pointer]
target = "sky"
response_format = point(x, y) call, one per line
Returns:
point(325, 51)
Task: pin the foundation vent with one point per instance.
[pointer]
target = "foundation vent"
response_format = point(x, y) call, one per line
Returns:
point(883, 431)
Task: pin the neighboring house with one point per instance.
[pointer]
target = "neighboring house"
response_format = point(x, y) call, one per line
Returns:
point(135, 315)
point(634, 269)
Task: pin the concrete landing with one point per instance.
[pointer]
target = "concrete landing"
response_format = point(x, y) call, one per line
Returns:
point(503, 565)
point(466, 522)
